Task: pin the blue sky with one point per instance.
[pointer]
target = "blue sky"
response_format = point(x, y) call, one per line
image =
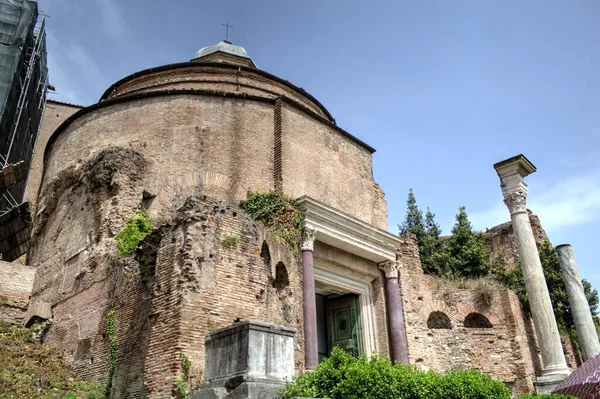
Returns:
point(443, 89)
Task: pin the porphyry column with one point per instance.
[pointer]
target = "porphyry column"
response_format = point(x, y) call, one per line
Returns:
point(514, 189)
point(311, 349)
point(580, 308)
point(395, 310)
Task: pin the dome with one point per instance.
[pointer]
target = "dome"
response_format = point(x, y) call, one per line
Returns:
point(223, 47)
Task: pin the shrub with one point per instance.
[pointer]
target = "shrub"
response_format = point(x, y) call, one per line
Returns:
point(278, 213)
point(138, 227)
point(230, 241)
point(342, 376)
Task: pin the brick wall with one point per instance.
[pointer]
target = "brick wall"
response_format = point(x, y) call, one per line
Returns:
point(16, 283)
point(55, 114)
point(498, 351)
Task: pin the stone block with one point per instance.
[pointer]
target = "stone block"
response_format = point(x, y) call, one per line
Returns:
point(247, 360)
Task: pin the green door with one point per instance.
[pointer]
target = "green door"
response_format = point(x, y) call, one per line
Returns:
point(343, 324)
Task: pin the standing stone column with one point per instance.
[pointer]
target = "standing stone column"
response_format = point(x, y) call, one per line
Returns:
point(311, 349)
point(395, 310)
point(580, 308)
point(554, 366)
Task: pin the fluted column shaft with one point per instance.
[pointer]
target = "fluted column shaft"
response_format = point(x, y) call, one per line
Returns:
point(580, 307)
point(514, 189)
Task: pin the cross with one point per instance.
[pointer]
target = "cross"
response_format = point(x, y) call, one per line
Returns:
point(227, 26)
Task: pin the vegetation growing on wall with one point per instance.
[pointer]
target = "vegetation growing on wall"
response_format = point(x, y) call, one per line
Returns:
point(344, 377)
point(138, 227)
point(230, 241)
point(278, 213)
point(188, 380)
point(29, 369)
point(111, 325)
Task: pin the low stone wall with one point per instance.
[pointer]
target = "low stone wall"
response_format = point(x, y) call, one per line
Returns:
point(16, 283)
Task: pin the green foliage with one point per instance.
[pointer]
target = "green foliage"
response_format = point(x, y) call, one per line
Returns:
point(29, 369)
point(431, 248)
point(549, 396)
point(278, 213)
point(230, 241)
point(513, 279)
point(464, 254)
point(342, 376)
point(138, 227)
point(413, 222)
point(111, 325)
point(466, 250)
point(182, 383)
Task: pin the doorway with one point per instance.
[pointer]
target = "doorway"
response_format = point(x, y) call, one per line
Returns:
point(338, 323)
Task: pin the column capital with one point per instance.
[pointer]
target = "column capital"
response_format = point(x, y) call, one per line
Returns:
point(308, 239)
point(512, 174)
point(516, 202)
point(390, 268)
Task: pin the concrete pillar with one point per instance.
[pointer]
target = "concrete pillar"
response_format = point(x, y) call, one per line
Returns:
point(580, 308)
point(311, 349)
point(514, 189)
point(395, 308)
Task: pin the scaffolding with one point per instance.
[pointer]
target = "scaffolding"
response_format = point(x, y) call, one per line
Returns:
point(23, 87)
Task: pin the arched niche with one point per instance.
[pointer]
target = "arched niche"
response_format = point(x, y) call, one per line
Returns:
point(477, 320)
point(439, 320)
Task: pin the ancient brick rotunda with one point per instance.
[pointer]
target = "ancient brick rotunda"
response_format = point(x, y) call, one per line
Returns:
point(187, 142)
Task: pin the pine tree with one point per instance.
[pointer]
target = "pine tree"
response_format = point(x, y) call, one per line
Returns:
point(413, 222)
point(431, 248)
point(466, 249)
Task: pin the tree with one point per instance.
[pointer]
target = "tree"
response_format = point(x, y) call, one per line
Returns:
point(513, 279)
point(431, 248)
point(466, 250)
point(413, 222)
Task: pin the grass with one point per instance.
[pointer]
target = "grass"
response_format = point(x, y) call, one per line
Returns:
point(29, 369)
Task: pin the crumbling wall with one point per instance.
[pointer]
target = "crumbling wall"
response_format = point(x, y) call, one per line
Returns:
point(16, 283)
point(444, 330)
point(184, 280)
point(502, 242)
point(54, 114)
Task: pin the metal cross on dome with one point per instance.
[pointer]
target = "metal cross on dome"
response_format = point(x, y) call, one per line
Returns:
point(227, 26)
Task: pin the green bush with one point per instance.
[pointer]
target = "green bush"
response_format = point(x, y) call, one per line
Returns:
point(552, 396)
point(342, 376)
point(278, 213)
point(138, 227)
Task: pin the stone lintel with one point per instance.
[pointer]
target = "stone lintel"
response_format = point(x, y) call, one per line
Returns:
point(348, 233)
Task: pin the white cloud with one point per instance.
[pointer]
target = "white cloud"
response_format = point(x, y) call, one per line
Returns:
point(567, 203)
point(112, 17)
point(69, 64)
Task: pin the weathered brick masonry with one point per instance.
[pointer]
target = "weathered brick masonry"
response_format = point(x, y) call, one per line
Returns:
point(16, 282)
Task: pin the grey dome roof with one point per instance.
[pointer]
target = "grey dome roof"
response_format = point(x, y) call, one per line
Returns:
point(225, 47)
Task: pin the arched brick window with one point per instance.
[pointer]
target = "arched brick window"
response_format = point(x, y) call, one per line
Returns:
point(477, 320)
point(438, 320)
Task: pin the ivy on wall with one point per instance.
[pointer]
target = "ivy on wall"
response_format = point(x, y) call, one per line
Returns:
point(278, 212)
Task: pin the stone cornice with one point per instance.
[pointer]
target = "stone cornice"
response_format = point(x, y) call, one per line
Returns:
point(346, 232)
